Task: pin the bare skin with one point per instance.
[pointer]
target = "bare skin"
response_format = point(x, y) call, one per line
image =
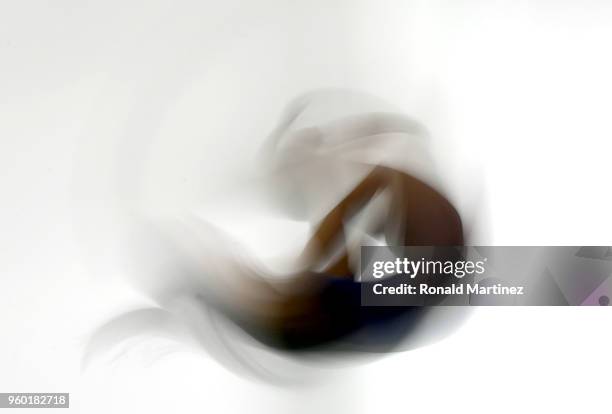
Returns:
point(424, 217)
point(418, 215)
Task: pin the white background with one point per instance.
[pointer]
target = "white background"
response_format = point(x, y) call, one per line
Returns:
point(156, 103)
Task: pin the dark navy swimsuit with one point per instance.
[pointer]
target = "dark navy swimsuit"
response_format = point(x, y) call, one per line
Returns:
point(340, 321)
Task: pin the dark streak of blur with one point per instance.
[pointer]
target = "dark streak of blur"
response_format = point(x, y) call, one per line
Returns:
point(359, 173)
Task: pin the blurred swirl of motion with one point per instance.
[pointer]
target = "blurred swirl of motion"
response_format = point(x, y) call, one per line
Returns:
point(350, 169)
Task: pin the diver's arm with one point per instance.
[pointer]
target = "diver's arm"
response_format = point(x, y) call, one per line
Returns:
point(331, 228)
